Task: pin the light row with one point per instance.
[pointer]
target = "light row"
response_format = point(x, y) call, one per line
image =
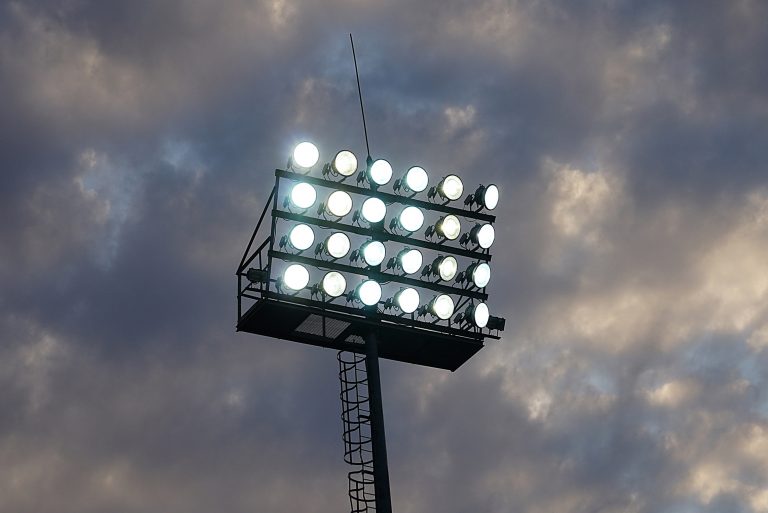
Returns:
point(373, 253)
point(368, 292)
point(303, 196)
point(379, 173)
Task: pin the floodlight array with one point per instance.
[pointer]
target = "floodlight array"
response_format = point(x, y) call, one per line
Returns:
point(371, 246)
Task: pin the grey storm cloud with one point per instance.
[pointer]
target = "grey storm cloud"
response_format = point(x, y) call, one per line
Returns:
point(137, 144)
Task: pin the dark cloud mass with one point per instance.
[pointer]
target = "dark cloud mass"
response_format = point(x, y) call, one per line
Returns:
point(137, 142)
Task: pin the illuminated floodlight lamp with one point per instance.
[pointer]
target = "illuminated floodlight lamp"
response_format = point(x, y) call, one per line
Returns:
point(374, 210)
point(441, 306)
point(344, 163)
point(483, 235)
point(303, 195)
point(448, 227)
point(305, 155)
point(339, 204)
point(337, 245)
point(487, 196)
point(480, 274)
point(410, 260)
point(368, 292)
point(407, 300)
point(416, 179)
point(380, 172)
point(450, 188)
point(334, 284)
point(301, 237)
point(445, 267)
point(477, 314)
point(295, 277)
point(410, 219)
point(373, 252)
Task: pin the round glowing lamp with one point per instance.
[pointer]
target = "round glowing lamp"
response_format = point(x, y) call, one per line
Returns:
point(305, 155)
point(374, 210)
point(344, 163)
point(339, 204)
point(369, 292)
point(334, 284)
point(301, 237)
point(407, 300)
point(303, 195)
point(337, 245)
point(410, 219)
point(295, 277)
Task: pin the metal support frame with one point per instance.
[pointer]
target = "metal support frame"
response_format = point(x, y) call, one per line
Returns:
point(380, 467)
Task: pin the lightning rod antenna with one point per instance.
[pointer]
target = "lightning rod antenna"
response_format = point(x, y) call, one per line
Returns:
point(360, 95)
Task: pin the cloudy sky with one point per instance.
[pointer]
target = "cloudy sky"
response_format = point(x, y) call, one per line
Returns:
point(630, 140)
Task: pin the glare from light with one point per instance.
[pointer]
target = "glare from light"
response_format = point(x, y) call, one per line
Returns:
point(447, 268)
point(337, 245)
point(411, 219)
point(410, 260)
point(373, 252)
point(380, 172)
point(485, 236)
point(301, 237)
point(442, 306)
point(449, 227)
point(374, 210)
point(480, 315)
point(295, 277)
point(369, 292)
point(305, 155)
point(339, 203)
point(481, 275)
point(345, 163)
point(451, 187)
point(334, 284)
point(491, 197)
point(407, 300)
point(303, 195)
point(416, 179)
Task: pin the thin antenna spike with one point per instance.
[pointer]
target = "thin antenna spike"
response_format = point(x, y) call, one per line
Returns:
point(360, 95)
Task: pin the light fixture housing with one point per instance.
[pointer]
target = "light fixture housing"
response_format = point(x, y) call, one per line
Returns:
point(373, 252)
point(337, 245)
point(446, 267)
point(410, 260)
point(407, 299)
point(416, 179)
point(496, 323)
point(450, 188)
point(449, 227)
point(480, 274)
point(442, 306)
point(368, 292)
point(483, 235)
point(301, 237)
point(487, 196)
point(295, 277)
point(334, 284)
point(339, 203)
point(303, 195)
point(380, 172)
point(344, 163)
point(477, 314)
point(373, 210)
point(410, 219)
point(305, 155)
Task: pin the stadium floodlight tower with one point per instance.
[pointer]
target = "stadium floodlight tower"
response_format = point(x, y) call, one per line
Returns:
point(372, 274)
